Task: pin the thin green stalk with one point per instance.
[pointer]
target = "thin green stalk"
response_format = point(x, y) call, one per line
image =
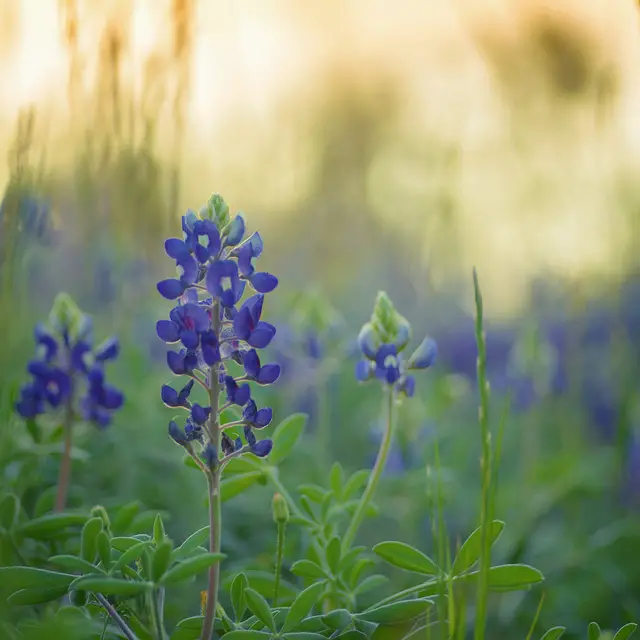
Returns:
point(213, 485)
point(64, 475)
point(117, 618)
point(374, 477)
point(279, 555)
point(157, 615)
point(485, 466)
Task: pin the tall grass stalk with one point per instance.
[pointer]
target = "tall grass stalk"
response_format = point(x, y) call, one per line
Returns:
point(485, 466)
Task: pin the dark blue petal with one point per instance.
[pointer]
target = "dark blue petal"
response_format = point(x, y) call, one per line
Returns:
point(167, 331)
point(112, 398)
point(251, 362)
point(188, 270)
point(407, 386)
point(175, 362)
point(262, 448)
point(183, 396)
point(177, 434)
point(169, 396)
point(250, 411)
point(171, 288)
point(78, 355)
point(262, 335)
point(249, 435)
point(367, 341)
point(210, 456)
point(254, 305)
point(190, 339)
point(176, 248)
point(269, 373)
point(108, 350)
point(243, 394)
point(264, 282)
point(199, 414)
point(263, 418)
point(237, 445)
point(243, 323)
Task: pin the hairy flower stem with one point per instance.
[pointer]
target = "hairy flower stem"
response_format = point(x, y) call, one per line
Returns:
point(117, 618)
point(64, 475)
point(213, 485)
point(374, 477)
point(279, 554)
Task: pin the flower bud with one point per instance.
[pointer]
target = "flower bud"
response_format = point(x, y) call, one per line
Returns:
point(280, 509)
point(217, 210)
point(424, 356)
point(389, 326)
point(65, 316)
point(100, 512)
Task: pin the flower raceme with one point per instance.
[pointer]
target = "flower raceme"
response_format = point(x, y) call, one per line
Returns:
point(382, 341)
point(215, 331)
point(66, 363)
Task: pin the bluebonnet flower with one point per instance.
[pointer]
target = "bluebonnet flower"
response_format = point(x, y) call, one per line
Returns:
point(382, 341)
point(216, 330)
point(66, 362)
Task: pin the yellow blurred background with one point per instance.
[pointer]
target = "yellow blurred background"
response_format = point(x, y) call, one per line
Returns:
point(502, 133)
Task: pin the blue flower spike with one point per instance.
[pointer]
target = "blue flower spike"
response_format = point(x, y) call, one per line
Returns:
point(382, 342)
point(68, 372)
point(214, 330)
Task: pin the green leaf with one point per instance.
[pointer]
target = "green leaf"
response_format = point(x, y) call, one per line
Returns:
point(259, 607)
point(191, 567)
point(50, 525)
point(305, 503)
point(471, 549)
point(554, 633)
point(131, 555)
point(104, 549)
point(28, 578)
point(370, 583)
point(307, 569)
point(304, 635)
point(353, 634)
point(358, 568)
point(508, 577)
point(28, 597)
point(286, 435)
point(264, 581)
point(406, 557)
point(593, 632)
point(161, 560)
point(9, 511)
point(312, 624)
point(238, 483)
point(191, 543)
point(124, 518)
point(430, 630)
point(333, 555)
point(122, 544)
point(247, 634)
point(108, 585)
point(302, 605)
point(158, 531)
point(355, 483)
point(626, 631)
point(347, 560)
point(336, 479)
point(242, 465)
point(396, 611)
point(72, 563)
point(312, 492)
point(238, 602)
point(89, 539)
point(337, 619)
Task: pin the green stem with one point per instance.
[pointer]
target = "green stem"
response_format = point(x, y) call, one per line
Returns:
point(213, 485)
point(323, 424)
point(374, 478)
point(279, 554)
point(157, 615)
point(64, 475)
point(485, 433)
point(117, 618)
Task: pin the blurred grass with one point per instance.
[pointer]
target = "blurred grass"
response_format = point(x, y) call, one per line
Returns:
point(502, 139)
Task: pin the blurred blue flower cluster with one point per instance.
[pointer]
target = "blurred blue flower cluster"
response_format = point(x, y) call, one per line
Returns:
point(66, 360)
point(215, 263)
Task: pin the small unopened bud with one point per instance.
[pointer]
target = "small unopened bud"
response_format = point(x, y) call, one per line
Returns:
point(100, 512)
point(280, 509)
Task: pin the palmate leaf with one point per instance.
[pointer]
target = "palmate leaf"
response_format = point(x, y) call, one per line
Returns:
point(286, 436)
point(302, 605)
point(471, 549)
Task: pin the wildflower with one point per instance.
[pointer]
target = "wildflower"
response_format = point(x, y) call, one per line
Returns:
point(65, 363)
point(382, 341)
point(213, 326)
point(260, 448)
